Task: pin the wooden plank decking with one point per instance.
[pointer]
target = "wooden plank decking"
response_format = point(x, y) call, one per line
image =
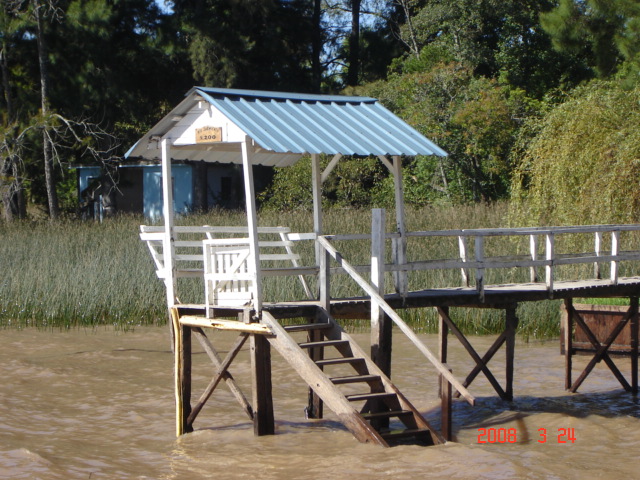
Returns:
point(494, 296)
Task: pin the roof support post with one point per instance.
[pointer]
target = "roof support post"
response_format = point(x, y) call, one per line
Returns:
point(167, 211)
point(399, 246)
point(316, 187)
point(252, 223)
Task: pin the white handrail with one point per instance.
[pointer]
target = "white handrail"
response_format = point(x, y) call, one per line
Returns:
point(549, 260)
point(381, 303)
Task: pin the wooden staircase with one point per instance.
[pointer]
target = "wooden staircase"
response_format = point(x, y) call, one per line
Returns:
point(350, 384)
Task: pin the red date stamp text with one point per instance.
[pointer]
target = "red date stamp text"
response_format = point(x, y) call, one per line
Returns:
point(510, 435)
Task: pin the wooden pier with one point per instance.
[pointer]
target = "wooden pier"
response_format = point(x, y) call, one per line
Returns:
point(379, 405)
point(235, 263)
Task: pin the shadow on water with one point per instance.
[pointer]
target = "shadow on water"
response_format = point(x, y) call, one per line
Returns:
point(527, 413)
point(610, 404)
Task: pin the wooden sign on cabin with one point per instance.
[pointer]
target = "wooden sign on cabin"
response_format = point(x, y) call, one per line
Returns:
point(208, 135)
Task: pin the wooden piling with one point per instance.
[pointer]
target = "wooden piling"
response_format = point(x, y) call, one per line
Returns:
point(263, 420)
point(511, 325)
point(182, 373)
point(633, 306)
point(381, 324)
point(446, 407)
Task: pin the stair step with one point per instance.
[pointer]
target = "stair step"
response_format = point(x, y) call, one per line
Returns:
point(389, 414)
point(324, 343)
point(339, 361)
point(306, 327)
point(355, 379)
point(369, 396)
point(408, 433)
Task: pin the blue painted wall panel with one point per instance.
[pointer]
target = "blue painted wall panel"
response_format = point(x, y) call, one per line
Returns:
point(86, 175)
point(152, 190)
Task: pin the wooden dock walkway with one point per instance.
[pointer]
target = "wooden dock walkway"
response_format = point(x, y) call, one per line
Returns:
point(235, 264)
point(383, 416)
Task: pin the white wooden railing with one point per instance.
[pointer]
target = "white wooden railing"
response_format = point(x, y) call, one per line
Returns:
point(191, 244)
point(476, 261)
point(472, 262)
point(550, 260)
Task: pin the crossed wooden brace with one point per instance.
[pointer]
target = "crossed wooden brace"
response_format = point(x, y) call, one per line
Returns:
point(508, 336)
point(602, 348)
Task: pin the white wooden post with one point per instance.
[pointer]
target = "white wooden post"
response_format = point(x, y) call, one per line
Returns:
point(615, 241)
point(377, 258)
point(464, 256)
point(479, 247)
point(316, 189)
point(400, 254)
point(324, 278)
point(598, 249)
point(252, 223)
point(381, 325)
point(168, 247)
point(550, 241)
point(533, 246)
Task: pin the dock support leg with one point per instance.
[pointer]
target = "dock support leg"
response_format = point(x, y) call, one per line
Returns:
point(443, 343)
point(633, 305)
point(446, 408)
point(511, 325)
point(380, 322)
point(182, 373)
point(263, 421)
point(315, 407)
point(381, 342)
point(567, 331)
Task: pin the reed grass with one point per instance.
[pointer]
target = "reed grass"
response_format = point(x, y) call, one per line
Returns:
point(82, 273)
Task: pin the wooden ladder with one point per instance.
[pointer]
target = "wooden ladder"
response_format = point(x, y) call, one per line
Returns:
point(350, 384)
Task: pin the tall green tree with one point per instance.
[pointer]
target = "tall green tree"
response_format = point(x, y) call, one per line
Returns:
point(249, 44)
point(601, 33)
point(473, 118)
point(11, 185)
point(97, 62)
point(121, 63)
point(494, 38)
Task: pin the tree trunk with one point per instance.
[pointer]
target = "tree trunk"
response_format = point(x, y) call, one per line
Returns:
point(354, 45)
point(6, 84)
point(316, 47)
point(13, 194)
point(413, 42)
point(47, 148)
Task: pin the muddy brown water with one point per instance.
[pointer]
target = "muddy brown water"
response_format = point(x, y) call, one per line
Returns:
point(98, 404)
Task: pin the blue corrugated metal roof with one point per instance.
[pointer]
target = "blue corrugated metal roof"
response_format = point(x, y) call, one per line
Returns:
point(307, 123)
point(286, 126)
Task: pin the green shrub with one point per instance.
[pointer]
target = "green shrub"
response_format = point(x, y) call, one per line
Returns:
point(583, 164)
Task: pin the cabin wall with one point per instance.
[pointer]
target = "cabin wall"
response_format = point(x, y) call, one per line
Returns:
point(197, 186)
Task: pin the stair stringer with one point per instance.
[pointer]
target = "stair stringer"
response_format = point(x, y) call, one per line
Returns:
point(315, 378)
point(336, 332)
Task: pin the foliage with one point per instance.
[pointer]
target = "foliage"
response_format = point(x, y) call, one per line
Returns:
point(466, 73)
point(601, 33)
point(355, 182)
point(86, 83)
point(580, 167)
point(473, 118)
point(493, 38)
point(76, 273)
point(290, 189)
point(248, 44)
